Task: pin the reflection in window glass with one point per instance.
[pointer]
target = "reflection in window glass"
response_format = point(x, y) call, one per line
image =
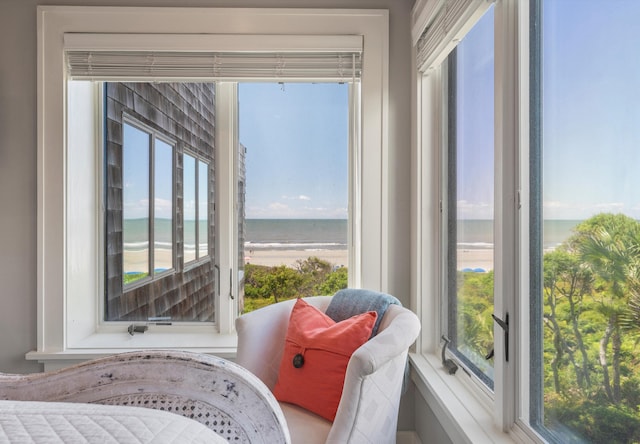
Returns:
point(189, 207)
point(135, 208)
point(470, 194)
point(586, 145)
point(163, 207)
point(203, 217)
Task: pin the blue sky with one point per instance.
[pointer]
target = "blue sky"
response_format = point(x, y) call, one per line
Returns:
point(591, 100)
point(296, 136)
point(591, 112)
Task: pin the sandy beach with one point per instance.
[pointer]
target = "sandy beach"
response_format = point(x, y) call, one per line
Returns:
point(482, 258)
point(289, 257)
point(467, 258)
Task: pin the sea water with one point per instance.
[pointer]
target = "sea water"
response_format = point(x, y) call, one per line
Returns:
point(294, 234)
point(478, 234)
point(325, 234)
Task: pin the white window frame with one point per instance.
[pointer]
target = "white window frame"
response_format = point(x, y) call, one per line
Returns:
point(68, 326)
point(466, 411)
point(153, 136)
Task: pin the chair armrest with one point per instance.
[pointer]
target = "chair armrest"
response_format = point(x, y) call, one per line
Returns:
point(394, 340)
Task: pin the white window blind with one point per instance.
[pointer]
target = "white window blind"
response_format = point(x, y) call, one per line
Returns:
point(448, 26)
point(118, 57)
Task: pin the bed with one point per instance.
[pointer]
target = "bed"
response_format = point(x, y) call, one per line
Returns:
point(195, 397)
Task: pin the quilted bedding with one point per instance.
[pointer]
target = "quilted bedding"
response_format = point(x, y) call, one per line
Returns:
point(57, 422)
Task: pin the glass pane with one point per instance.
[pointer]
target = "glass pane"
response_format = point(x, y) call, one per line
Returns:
point(135, 207)
point(203, 207)
point(471, 198)
point(163, 207)
point(189, 203)
point(589, 287)
point(297, 147)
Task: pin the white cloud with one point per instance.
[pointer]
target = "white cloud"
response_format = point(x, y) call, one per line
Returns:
point(277, 206)
point(300, 197)
point(278, 210)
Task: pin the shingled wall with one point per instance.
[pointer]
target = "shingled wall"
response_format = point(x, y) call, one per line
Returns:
point(185, 112)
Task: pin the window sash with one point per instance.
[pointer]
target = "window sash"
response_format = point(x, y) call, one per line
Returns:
point(508, 402)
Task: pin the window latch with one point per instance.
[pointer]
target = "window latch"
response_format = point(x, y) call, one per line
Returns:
point(137, 329)
point(505, 327)
point(447, 363)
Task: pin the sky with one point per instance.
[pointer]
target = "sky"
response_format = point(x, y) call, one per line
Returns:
point(296, 138)
point(591, 112)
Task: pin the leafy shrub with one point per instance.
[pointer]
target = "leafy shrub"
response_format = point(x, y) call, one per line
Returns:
point(313, 276)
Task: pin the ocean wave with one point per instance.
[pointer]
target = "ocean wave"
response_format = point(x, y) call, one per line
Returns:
point(475, 245)
point(307, 246)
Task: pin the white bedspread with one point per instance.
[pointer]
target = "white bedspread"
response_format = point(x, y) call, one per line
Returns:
point(56, 422)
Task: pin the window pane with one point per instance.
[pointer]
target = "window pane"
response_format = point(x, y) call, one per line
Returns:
point(189, 203)
point(470, 208)
point(156, 118)
point(587, 142)
point(203, 216)
point(297, 147)
point(163, 207)
point(135, 208)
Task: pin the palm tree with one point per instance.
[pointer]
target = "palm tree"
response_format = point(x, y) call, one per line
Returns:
point(608, 245)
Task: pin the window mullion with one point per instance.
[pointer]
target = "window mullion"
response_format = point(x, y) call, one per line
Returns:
point(152, 199)
point(506, 208)
point(226, 189)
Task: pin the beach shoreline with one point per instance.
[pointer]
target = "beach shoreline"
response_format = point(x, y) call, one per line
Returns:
point(468, 258)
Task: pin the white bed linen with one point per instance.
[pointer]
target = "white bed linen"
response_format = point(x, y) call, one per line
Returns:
point(57, 422)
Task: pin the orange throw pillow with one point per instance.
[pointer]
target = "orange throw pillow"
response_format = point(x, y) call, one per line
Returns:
point(316, 354)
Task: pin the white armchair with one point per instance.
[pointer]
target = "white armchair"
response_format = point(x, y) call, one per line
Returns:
point(368, 409)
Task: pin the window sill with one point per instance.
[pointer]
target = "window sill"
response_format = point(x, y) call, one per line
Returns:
point(461, 414)
point(223, 346)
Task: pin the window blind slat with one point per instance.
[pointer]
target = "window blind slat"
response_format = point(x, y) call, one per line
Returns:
point(449, 25)
point(119, 65)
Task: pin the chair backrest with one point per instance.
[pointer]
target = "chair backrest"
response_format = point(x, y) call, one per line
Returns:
point(368, 410)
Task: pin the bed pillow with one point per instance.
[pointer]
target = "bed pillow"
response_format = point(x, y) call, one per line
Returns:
point(316, 353)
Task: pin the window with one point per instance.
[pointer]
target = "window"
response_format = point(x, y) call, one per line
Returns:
point(70, 277)
point(146, 160)
point(469, 207)
point(565, 231)
point(585, 230)
point(297, 219)
point(147, 229)
point(196, 226)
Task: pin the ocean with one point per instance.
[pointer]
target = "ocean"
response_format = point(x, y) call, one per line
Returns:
point(324, 234)
point(136, 237)
point(478, 234)
point(296, 234)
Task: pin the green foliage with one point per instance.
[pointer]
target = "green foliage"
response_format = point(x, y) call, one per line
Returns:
point(591, 289)
point(313, 276)
point(132, 277)
point(334, 281)
point(591, 315)
point(475, 324)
